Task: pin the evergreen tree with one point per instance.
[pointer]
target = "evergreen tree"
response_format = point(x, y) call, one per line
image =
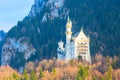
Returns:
point(25, 75)
point(72, 62)
point(15, 77)
point(94, 78)
point(82, 73)
point(109, 74)
point(102, 78)
point(54, 74)
point(33, 76)
point(41, 73)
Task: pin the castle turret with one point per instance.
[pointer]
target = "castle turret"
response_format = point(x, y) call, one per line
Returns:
point(60, 50)
point(61, 45)
point(68, 38)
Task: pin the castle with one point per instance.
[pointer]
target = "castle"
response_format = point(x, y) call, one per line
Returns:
point(75, 47)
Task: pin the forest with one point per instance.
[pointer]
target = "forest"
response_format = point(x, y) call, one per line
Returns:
point(102, 68)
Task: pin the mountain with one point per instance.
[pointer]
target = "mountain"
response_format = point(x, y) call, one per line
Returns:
point(36, 37)
point(2, 37)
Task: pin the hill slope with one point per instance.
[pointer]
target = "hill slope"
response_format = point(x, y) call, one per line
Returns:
point(36, 37)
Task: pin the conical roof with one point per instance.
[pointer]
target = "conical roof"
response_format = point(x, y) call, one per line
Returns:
point(81, 36)
point(69, 22)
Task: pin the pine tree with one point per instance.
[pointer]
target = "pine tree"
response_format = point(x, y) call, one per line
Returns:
point(15, 77)
point(102, 78)
point(41, 73)
point(94, 78)
point(33, 76)
point(72, 62)
point(109, 73)
point(82, 73)
point(25, 75)
point(54, 74)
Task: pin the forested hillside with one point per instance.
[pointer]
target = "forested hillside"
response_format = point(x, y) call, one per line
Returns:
point(45, 26)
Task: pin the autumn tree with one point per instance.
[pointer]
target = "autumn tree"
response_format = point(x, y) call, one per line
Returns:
point(30, 66)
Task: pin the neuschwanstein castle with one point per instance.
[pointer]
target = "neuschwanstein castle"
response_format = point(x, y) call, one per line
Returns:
point(78, 47)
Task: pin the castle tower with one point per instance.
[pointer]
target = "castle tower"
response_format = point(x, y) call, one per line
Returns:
point(60, 50)
point(82, 48)
point(68, 38)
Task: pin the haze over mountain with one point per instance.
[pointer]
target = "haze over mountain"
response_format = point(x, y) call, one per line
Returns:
point(36, 37)
point(2, 37)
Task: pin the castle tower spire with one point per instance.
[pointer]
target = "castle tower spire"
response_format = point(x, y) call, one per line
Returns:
point(81, 29)
point(68, 29)
point(68, 38)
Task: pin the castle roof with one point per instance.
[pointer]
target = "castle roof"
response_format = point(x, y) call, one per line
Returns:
point(69, 23)
point(81, 36)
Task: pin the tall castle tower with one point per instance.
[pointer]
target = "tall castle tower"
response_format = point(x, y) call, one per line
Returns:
point(68, 38)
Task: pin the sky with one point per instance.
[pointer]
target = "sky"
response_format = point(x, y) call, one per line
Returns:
point(12, 11)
